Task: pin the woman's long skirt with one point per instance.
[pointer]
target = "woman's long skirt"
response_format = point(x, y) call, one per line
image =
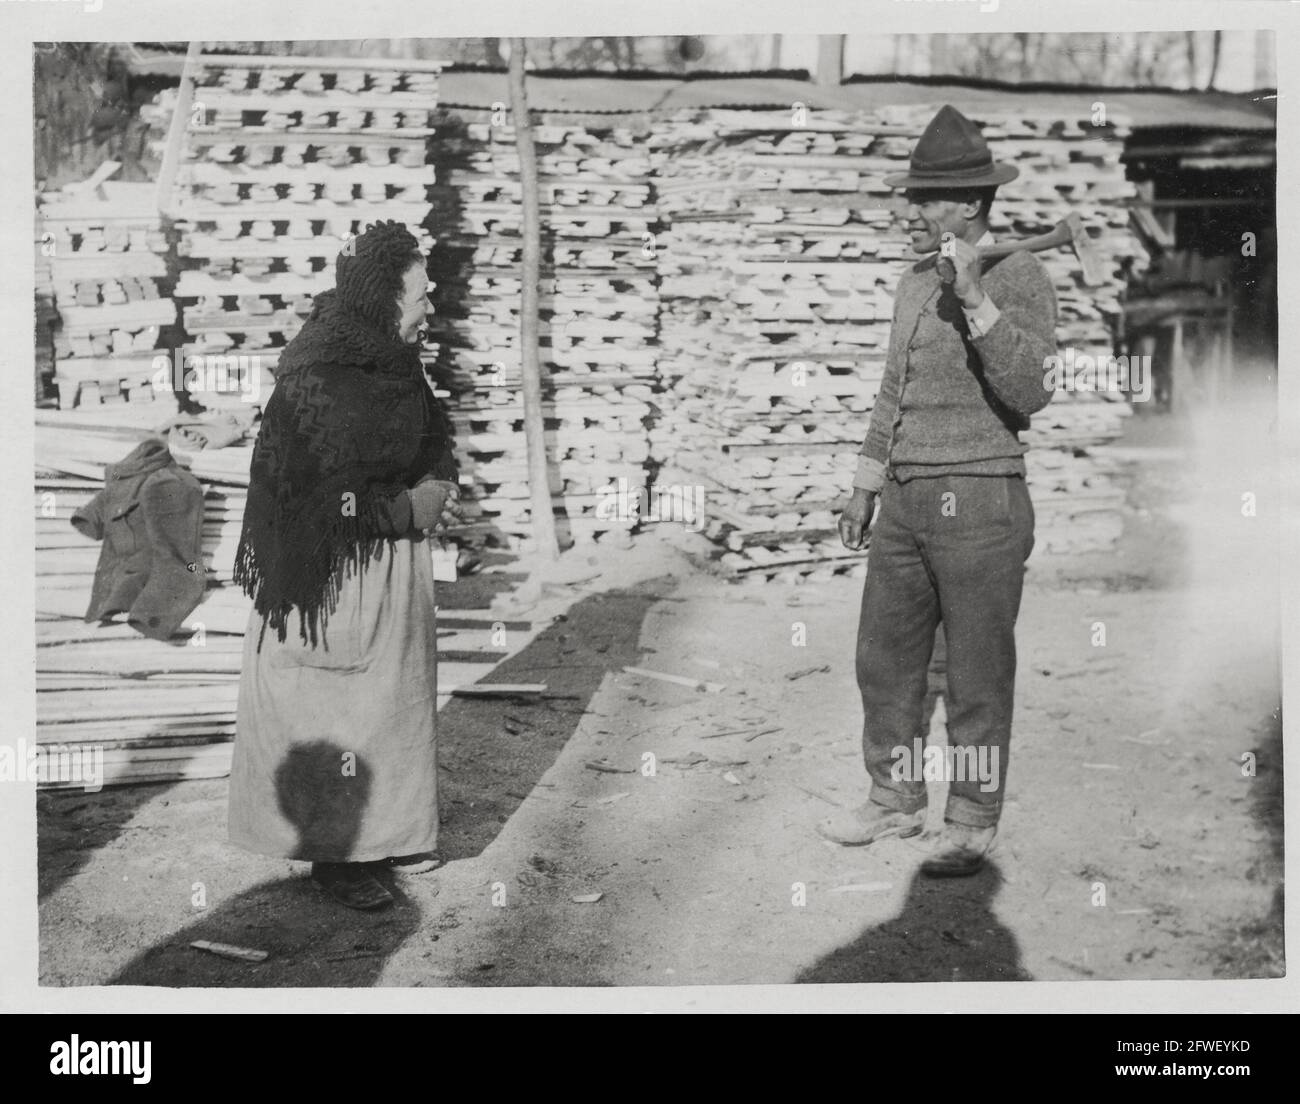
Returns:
point(335, 755)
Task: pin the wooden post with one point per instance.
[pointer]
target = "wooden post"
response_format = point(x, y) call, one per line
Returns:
point(830, 59)
point(176, 133)
point(539, 483)
point(1181, 384)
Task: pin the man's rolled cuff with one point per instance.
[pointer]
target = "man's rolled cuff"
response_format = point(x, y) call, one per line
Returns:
point(981, 319)
point(870, 475)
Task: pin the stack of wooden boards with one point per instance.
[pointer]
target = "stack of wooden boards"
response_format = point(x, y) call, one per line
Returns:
point(598, 320)
point(716, 288)
point(45, 315)
point(107, 265)
point(160, 711)
point(780, 253)
point(281, 162)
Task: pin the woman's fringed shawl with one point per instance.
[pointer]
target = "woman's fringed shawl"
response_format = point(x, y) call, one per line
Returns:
point(351, 423)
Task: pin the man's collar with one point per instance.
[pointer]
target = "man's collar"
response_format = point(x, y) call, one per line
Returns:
point(986, 238)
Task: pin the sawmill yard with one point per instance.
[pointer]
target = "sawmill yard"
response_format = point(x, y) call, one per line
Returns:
point(624, 830)
point(637, 740)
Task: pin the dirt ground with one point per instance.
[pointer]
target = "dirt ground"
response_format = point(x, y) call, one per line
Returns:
point(1134, 845)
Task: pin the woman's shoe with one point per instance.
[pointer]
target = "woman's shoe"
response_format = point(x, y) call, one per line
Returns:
point(415, 864)
point(351, 884)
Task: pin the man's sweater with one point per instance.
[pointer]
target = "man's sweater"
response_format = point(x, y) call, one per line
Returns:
point(953, 401)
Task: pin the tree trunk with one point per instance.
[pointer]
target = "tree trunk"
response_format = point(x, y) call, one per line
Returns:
point(1214, 60)
point(539, 483)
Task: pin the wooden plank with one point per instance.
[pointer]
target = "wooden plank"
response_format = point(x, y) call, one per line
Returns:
point(293, 62)
point(165, 194)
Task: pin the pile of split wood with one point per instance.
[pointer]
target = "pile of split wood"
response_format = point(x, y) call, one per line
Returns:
point(281, 162)
point(780, 254)
point(106, 252)
point(716, 287)
point(598, 320)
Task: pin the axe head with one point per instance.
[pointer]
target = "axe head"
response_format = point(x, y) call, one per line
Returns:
point(1090, 262)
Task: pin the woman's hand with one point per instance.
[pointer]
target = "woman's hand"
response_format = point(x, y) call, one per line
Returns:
point(434, 503)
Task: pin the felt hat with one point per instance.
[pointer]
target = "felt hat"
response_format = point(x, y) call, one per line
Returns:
point(952, 153)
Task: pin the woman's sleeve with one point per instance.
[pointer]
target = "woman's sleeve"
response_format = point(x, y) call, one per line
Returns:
point(388, 513)
point(445, 466)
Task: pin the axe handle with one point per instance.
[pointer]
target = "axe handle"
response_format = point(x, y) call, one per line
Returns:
point(1060, 235)
point(1069, 231)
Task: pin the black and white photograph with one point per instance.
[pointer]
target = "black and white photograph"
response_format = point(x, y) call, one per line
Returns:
point(786, 506)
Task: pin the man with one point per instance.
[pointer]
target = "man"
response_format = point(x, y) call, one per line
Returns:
point(964, 371)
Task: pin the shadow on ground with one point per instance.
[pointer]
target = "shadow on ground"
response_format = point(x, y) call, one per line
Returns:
point(946, 931)
point(71, 826)
point(1257, 949)
point(311, 942)
point(304, 940)
point(493, 751)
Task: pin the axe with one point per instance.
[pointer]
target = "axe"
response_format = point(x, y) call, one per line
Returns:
point(1069, 231)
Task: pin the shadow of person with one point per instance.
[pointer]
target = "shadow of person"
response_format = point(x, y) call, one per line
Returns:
point(322, 801)
point(946, 931)
point(310, 939)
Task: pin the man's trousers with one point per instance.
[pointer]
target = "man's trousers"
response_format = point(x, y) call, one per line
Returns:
point(948, 549)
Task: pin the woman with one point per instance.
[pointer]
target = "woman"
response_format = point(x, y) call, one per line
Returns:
point(335, 754)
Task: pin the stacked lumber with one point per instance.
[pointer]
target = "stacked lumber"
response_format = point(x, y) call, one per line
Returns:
point(164, 710)
point(282, 162)
point(77, 446)
point(107, 253)
point(598, 321)
point(779, 258)
point(45, 315)
point(156, 711)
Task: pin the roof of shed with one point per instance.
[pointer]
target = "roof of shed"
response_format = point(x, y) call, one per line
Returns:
point(620, 95)
point(637, 94)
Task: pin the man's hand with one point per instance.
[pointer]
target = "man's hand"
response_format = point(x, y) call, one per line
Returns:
point(965, 260)
point(856, 519)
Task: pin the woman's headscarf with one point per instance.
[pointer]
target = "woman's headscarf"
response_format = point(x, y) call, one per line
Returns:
point(351, 424)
